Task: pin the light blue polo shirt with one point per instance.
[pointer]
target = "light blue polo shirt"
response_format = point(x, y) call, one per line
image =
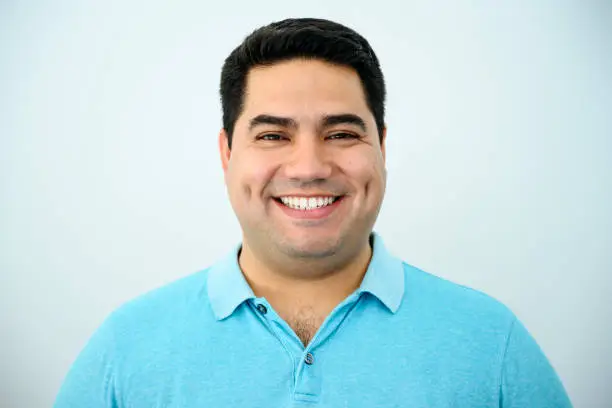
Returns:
point(405, 338)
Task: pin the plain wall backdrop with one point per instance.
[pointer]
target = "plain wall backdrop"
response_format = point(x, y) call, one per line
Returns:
point(499, 163)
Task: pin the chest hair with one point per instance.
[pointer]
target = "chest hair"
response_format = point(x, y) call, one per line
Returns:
point(305, 322)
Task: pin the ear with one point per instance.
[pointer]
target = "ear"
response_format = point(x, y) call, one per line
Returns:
point(224, 149)
point(383, 144)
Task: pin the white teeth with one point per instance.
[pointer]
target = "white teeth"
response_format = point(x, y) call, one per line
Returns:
point(306, 203)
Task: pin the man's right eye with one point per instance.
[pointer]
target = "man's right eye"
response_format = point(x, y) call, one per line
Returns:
point(271, 137)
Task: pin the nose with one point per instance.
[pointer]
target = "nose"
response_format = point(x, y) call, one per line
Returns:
point(309, 160)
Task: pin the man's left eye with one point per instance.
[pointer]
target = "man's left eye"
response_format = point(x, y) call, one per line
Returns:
point(342, 135)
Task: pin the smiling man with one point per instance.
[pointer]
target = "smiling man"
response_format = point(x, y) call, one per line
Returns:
point(310, 309)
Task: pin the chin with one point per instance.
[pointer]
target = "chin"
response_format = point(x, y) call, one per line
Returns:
point(310, 248)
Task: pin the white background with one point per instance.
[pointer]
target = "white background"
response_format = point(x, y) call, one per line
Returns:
point(499, 160)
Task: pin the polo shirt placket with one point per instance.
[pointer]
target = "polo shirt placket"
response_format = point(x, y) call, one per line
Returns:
point(307, 367)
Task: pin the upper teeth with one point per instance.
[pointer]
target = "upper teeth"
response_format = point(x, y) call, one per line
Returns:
point(306, 203)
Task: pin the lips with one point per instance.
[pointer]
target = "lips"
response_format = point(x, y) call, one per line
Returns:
point(309, 203)
point(310, 208)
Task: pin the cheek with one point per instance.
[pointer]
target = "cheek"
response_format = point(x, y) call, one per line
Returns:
point(248, 175)
point(368, 172)
point(375, 183)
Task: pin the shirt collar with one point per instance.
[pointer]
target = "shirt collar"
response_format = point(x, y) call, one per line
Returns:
point(384, 278)
point(227, 287)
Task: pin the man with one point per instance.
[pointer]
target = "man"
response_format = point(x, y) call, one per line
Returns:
point(310, 309)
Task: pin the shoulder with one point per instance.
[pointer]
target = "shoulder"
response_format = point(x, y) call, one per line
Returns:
point(454, 303)
point(161, 307)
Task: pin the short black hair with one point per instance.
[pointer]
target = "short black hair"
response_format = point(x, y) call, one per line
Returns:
point(309, 38)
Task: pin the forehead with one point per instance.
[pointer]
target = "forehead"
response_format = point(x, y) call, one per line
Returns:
point(304, 89)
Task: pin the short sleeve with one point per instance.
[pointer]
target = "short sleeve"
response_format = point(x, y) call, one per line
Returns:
point(528, 379)
point(90, 381)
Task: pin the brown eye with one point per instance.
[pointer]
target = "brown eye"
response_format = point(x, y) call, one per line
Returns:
point(342, 135)
point(271, 137)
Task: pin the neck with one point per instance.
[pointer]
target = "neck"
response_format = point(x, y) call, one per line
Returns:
point(320, 283)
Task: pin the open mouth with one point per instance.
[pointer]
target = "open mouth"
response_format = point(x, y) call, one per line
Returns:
point(307, 203)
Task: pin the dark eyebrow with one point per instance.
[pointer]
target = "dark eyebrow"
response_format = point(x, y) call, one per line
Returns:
point(344, 119)
point(272, 120)
point(328, 121)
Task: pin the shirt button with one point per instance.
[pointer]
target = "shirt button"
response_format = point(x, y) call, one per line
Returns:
point(262, 309)
point(309, 359)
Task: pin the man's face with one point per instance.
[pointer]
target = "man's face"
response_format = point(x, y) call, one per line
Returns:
point(305, 174)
